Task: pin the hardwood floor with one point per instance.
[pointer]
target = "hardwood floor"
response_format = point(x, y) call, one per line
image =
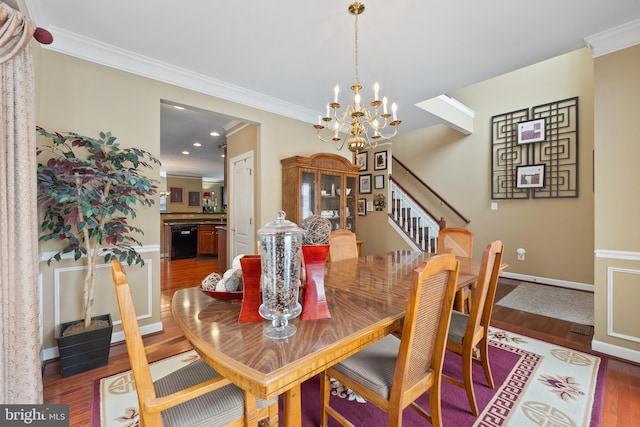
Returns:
point(622, 393)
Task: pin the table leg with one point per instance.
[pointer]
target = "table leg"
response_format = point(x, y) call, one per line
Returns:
point(293, 407)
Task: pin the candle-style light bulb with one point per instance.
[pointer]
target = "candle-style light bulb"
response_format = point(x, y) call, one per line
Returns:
point(336, 91)
point(394, 109)
point(319, 119)
point(357, 101)
point(327, 110)
point(376, 91)
point(384, 104)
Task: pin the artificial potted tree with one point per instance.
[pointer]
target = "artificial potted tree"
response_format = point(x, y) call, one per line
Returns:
point(88, 189)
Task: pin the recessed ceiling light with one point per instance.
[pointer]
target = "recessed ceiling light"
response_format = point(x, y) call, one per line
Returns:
point(197, 144)
point(178, 107)
point(185, 152)
point(214, 133)
point(221, 155)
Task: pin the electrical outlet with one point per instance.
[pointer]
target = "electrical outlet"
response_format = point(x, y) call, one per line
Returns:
point(494, 206)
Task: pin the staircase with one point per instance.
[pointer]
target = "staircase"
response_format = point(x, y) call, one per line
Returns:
point(410, 218)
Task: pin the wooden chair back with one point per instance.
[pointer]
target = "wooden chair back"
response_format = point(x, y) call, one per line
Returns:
point(456, 241)
point(150, 405)
point(485, 291)
point(469, 334)
point(424, 333)
point(342, 245)
point(420, 351)
point(135, 345)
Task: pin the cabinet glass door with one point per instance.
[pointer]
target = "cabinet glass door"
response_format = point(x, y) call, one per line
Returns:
point(307, 194)
point(330, 206)
point(351, 209)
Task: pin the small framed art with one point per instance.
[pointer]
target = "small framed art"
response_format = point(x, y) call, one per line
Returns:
point(175, 195)
point(530, 176)
point(380, 160)
point(362, 207)
point(531, 131)
point(365, 184)
point(194, 198)
point(361, 160)
point(378, 182)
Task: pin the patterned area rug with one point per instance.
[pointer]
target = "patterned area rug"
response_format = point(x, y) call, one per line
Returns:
point(537, 383)
point(560, 303)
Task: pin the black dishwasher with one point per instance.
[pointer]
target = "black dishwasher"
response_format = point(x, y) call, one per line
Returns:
point(184, 241)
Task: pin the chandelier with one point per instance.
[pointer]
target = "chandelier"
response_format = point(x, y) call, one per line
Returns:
point(357, 121)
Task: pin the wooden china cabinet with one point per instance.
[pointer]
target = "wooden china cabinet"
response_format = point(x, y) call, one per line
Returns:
point(324, 184)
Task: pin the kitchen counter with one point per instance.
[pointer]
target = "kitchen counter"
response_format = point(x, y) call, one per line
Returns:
point(207, 245)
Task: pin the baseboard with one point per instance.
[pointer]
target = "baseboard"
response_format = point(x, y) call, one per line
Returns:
point(547, 281)
point(616, 351)
point(116, 337)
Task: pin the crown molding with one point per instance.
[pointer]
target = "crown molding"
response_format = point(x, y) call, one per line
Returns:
point(614, 39)
point(91, 50)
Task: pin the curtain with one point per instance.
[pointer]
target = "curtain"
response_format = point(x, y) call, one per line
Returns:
point(20, 365)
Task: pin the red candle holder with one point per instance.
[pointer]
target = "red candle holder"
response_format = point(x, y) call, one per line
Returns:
point(251, 271)
point(315, 301)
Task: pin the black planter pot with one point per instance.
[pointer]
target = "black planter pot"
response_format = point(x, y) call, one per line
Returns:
point(86, 350)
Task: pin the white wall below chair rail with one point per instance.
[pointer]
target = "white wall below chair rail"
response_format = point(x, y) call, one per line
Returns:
point(145, 313)
point(619, 278)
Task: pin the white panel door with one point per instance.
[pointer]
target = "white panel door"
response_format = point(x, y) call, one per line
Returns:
point(241, 227)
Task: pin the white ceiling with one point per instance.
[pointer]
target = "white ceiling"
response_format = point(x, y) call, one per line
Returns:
point(286, 56)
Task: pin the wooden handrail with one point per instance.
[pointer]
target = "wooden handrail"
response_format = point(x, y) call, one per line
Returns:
point(431, 190)
point(427, 211)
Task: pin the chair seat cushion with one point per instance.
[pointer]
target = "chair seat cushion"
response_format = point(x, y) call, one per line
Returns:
point(374, 366)
point(457, 327)
point(217, 408)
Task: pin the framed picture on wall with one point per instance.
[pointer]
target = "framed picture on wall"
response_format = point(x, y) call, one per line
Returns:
point(531, 131)
point(380, 160)
point(194, 198)
point(175, 195)
point(361, 160)
point(365, 184)
point(530, 176)
point(362, 207)
point(378, 182)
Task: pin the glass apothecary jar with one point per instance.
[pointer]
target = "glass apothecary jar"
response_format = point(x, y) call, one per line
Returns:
point(280, 246)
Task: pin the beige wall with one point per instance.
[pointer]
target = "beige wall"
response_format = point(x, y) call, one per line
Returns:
point(617, 207)
point(188, 184)
point(556, 233)
point(80, 96)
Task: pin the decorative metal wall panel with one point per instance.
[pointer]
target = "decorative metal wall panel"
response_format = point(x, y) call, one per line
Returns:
point(558, 152)
point(506, 155)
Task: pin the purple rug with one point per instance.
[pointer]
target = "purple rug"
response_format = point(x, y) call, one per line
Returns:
point(516, 364)
point(535, 380)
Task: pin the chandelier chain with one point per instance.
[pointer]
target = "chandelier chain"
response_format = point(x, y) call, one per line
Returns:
point(357, 82)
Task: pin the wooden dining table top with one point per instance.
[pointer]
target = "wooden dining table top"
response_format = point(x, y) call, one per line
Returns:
point(367, 299)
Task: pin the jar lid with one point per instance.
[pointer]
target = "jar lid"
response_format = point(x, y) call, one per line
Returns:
point(280, 225)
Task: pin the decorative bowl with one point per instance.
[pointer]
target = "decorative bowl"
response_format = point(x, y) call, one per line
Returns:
point(338, 191)
point(348, 191)
point(225, 295)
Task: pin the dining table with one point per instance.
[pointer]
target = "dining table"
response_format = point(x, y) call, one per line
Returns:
point(367, 298)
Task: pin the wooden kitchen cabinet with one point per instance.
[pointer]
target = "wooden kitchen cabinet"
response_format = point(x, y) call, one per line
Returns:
point(318, 185)
point(207, 240)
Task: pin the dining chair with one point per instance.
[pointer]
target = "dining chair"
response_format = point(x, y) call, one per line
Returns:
point(194, 394)
point(457, 241)
point(393, 372)
point(342, 245)
point(468, 331)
